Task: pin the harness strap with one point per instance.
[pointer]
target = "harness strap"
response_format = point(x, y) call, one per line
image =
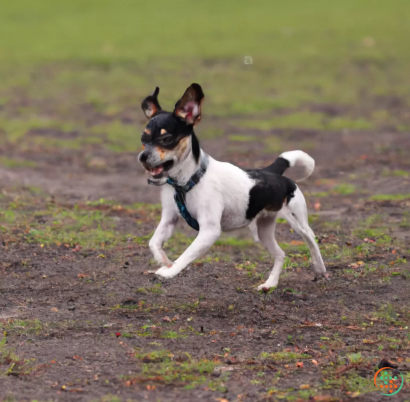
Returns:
point(180, 192)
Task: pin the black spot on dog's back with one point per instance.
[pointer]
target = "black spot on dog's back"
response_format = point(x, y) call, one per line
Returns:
point(270, 192)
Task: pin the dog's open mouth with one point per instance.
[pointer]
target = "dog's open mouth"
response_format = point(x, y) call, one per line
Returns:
point(158, 171)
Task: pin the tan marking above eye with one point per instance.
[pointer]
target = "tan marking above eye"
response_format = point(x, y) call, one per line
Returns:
point(162, 153)
point(147, 131)
point(163, 131)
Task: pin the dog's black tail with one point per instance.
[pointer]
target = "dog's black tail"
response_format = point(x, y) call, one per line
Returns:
point(304, 163)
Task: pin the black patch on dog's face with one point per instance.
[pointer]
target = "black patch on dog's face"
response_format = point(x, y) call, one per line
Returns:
point(270, 192)
point(165, 131)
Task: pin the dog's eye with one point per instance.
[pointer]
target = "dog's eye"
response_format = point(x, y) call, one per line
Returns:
point(166, 140)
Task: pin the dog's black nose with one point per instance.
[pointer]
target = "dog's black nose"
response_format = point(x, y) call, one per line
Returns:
point(143, 157)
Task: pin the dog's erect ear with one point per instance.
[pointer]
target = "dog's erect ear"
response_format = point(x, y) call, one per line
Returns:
point(189, 106)
point(150, 104)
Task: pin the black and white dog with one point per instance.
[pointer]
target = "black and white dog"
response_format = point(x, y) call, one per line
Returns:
point(215, 196)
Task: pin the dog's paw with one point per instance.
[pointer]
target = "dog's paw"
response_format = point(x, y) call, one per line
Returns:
point(167, 273)
point(265, 287)
point(325, 276)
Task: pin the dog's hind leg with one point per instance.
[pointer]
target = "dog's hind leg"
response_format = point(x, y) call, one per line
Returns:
point(266, 231)
point(297, 216)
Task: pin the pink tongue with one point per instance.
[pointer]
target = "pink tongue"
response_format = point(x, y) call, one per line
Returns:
point(157, 171)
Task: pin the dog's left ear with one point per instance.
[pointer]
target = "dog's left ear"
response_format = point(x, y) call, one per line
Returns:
point(150, 104)
point(188, 107)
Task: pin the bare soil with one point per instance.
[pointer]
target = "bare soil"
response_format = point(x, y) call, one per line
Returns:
point(94, 324)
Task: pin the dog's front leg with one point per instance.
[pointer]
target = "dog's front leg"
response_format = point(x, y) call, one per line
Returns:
point(163, 232)
point(207, 236)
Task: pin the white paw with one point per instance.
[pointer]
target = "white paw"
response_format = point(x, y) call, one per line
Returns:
point(266, 286)
point(166, 272)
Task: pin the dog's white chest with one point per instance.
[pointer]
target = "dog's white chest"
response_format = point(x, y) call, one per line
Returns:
point(224, 187)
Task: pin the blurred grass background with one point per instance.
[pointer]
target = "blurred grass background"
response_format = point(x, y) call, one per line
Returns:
point(63, 62)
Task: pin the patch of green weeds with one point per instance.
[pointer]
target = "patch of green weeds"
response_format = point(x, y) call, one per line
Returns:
point(14, 365)
point(191, 306)
point(90, 226)
point(344, 189)
point(307, 120)
point(249, 267)
point(15, 129)
point(234, 242)
point(165, 368)
point(386, 312)
point(355, 358)
point(372, 228)
point(395, 173)
point(16, 163)
point(30, 327)
point(172, 335)
point(156, 289)
point(284, 356)
point(390, 197)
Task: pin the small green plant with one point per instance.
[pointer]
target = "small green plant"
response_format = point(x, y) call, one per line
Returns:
point(344, 189)
point(355, 358)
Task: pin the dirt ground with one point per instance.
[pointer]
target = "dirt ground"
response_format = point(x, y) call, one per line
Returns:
point(83, 319)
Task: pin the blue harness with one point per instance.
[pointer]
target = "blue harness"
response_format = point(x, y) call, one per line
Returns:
point(180, 192)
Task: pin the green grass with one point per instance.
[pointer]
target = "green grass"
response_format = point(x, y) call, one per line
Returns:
point(307, 120)
point(390, 197)
point(93, 225)
point(15, 163)
point(396, 173)
point(162, 367)
point(121, 30)
point(84, 60)
point(285, 356)
point(344, 189)
point(30, 327)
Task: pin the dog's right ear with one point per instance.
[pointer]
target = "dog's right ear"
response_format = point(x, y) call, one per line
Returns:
point(188, 107)
point(150, 104)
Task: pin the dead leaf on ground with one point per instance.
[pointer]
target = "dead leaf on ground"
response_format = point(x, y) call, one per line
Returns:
point(370, 341)
point(297, 243)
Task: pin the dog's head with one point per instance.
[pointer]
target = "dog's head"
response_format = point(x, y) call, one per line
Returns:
point(168, 137)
